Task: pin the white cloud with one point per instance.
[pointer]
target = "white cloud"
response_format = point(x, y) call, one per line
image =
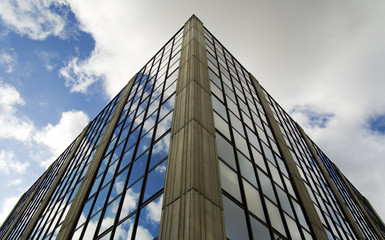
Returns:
point(8, 58)
point(130, 201)
point(34, 18)
point(8, 163)
point(142, 233)
point(311, 117)
point(58, 137)
point(9, 96)
point(154, 210)
point(15, 182)
point(47, 58)
point(330, 57)
point(121, 44)
point(11, 125)
point(16, 126)
point(7, 206)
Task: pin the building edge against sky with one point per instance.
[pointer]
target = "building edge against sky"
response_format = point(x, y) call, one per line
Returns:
point(233, 163)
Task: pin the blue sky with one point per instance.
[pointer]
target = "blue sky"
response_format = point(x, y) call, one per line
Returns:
point(62, 61)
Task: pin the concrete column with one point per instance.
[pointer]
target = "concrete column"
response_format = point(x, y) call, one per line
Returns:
point(192, 202)
point(352, 193)
point(76, 208)
point(48, 196)
point(335, 192)
point(303, 195)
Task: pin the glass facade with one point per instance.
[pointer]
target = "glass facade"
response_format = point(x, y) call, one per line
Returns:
point(49, 223)
point(124, 197)
point(258, 196)
point(349, 200)
point(17, 209)
point(327, 207)
point(41, 190)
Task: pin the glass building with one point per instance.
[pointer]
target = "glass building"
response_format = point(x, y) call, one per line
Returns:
point(193, 148)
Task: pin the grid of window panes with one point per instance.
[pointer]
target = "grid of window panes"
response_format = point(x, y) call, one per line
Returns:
point(327, 207)
point(40, 193)
point(19, 205)
point(50, 221)
point(126, 197)
point(258, 197)
point(354, 209)
point(365, 203)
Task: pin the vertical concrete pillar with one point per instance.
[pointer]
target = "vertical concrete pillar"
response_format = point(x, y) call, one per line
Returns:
point(355, 198)
point(74, 212)
point(303, 195)
point(335, 192)
point(192, 202)
point(57, 180)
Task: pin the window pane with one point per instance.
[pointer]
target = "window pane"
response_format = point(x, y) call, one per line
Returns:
point(254, 200)
point(219, 107)
point(150, 219)
point(267, 187)
point(259, 230)
point(247, 169)
point(130, 201)
point(225, 151)
point(221, 125)
point(234, 220)
point(294, 232)
point(155, 180)
point(229, 181)
point(275, 217)
point(124, 230)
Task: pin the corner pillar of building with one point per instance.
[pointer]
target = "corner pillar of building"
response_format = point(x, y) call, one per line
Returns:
point(335, 192)
point(353, 194)
point(308, 206)
point(28, 230)
point(192, 203)
point(70, 221)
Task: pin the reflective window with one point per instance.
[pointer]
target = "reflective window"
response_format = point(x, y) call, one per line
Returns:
point(49, 223)
point(235, 220)
point(126, 196)
point(229, 181)
point(253, 183)
point(260, 231)
point(333, 219)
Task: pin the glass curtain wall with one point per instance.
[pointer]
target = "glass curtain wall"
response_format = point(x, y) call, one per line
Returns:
point(126, 197)
point(38, 197)
point(258, 197)
point(49, 223)
point(327, 207)
point(353, 207)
